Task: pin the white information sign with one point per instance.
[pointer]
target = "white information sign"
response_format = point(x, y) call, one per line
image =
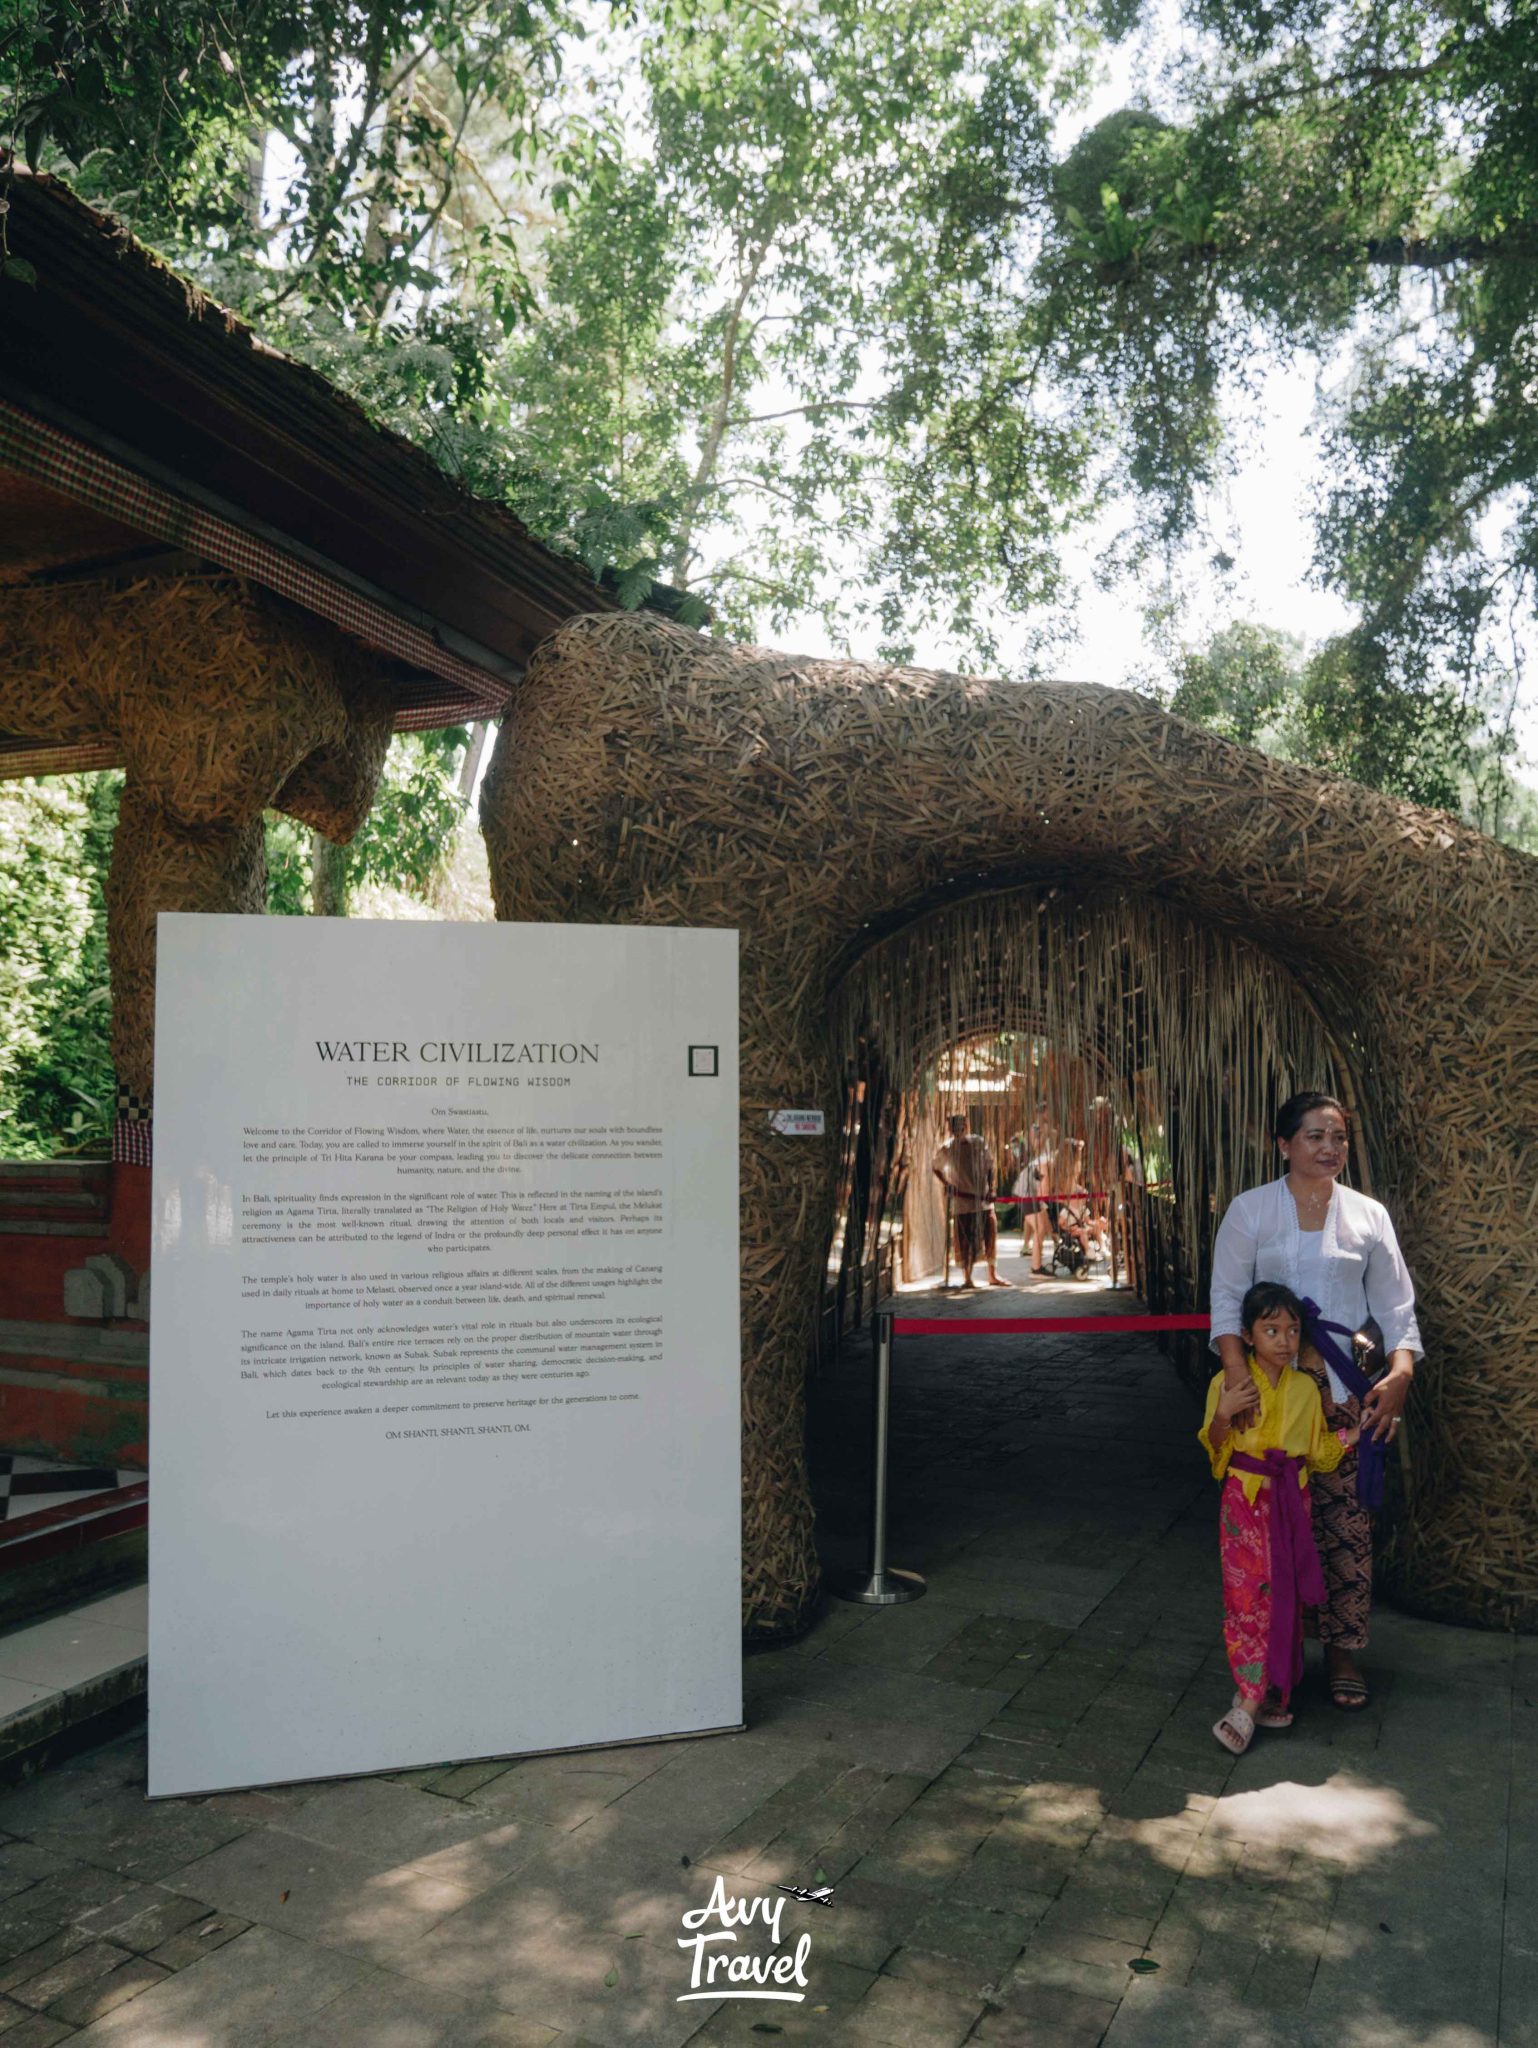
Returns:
point(445, 1352)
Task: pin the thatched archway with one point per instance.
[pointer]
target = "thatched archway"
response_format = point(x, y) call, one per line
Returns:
point(650, 776)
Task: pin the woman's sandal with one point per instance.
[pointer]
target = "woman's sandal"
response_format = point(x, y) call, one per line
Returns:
point(1273, 1717)
point(1350, 1695)
point(1236, 1730)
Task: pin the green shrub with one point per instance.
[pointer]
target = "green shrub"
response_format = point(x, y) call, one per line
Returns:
point(56, 1078)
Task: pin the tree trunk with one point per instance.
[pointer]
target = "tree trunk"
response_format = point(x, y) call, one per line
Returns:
point(328, 878)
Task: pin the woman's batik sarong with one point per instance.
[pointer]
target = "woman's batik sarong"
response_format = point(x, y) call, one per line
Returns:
point(1342, 1526)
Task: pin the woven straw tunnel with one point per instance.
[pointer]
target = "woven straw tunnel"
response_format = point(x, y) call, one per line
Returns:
point(648, 775)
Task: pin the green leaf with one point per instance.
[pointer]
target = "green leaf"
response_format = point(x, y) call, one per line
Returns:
point(19, 270)
point(1142, 1965)
point(611, 1978)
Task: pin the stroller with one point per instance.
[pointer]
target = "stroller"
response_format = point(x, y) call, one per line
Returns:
point(1070, 1251)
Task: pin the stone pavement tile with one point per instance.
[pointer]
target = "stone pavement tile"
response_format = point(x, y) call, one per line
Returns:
point(867, 1924)
point(1155, 2013)
point(242, 1997)
point(39, 1956)
point(987, 1936)
point(1281, 1983)
point(1109, 1865)
point(199, 1940)
point(64, 1973)
point(87, 2002)
point(898, 2013)
point(388, 1826)
point(1229, 1962)
point(1141, 1799)
point(794, 1821)
point(1050, 1815)
point(903, 1638)
point(928, 1862)
point(264, 1804)
point(923, 1968)
point(543, 1943)
point(143, 1917)
point(1041, 1602)
point(1032, 2015)
point(457, 1781)
point(881, 1694)
point(1442, 1958)
point(1086, 1582)
point(1000, 1753)
point(565, 1791)
point(886, 1744)
point(1211, 1906)
point(1084, 1945)
point(1041, 1965)
point(999, 1876)
point(836, 1619)
point(23, 1864)
point(322, 1895)
point(702, 1795)
point(844, 1848)
point(386, 2011)
point(72, 1893)
point(927, 1850)
point(1190, 1773)
point(41, 2030)
point(122, 1831)
point(1083, 1912)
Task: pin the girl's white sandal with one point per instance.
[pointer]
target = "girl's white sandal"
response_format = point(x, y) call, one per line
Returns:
point(1236, 1730)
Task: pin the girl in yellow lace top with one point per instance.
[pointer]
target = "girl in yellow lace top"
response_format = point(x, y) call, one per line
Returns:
point(1264, 1438)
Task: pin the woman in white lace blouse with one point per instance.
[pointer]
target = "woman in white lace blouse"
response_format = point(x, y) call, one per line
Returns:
point(1338, 1247)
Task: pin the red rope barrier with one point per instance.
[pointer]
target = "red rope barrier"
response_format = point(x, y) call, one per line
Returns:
point(1042, 1326)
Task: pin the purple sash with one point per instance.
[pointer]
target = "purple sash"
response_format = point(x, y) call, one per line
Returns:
point(1297, 1580)
point(1371, 1451)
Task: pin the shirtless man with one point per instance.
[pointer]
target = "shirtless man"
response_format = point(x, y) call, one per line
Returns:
point(964, 1166)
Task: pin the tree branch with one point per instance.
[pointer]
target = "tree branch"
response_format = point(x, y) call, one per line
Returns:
point(1338, 81)
point(795, 412)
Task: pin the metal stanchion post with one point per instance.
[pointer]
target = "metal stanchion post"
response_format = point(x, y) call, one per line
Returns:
point(882, 1585)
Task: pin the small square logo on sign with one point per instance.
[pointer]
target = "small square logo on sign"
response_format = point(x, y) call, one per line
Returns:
point(705, 1061)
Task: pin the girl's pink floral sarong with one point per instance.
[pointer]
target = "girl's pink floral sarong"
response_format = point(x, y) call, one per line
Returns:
point(1244, 1547)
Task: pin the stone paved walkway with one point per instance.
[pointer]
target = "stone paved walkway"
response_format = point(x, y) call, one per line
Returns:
point(1010, 1785)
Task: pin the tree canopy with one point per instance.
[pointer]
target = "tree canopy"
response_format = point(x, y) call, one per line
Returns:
point(843, 308)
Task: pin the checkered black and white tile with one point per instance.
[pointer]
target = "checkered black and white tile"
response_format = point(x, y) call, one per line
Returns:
point(27, 1485)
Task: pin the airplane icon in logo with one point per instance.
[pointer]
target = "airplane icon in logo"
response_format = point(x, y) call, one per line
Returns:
point(822, 1896)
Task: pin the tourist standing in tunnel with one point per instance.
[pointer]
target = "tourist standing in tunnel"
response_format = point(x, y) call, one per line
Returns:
point(964, 1168)
point(1336, 1249)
